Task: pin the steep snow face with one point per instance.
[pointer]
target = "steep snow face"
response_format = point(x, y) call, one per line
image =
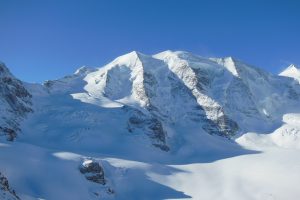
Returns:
point(96, 122)
point(15, 103)
point(152, 86)
point(265, 97)
point(292, 71)
point(246, 94)
point(197, 75)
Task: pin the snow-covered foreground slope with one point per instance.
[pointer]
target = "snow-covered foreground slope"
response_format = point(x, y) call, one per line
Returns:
point(268, 175)
point(169, 126)
point(49, 174)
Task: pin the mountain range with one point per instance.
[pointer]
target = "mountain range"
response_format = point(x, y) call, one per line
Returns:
point(172, 125)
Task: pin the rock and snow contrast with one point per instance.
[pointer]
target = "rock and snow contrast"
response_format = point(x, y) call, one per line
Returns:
point(15, 103)
point(6, 193)
point(168, 126)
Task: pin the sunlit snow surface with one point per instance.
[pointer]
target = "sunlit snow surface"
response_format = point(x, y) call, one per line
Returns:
point(83, 117)
point(287, 136)
point(292, 71)
point(272, 173)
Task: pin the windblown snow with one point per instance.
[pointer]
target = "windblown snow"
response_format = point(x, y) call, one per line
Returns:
point(168, 126)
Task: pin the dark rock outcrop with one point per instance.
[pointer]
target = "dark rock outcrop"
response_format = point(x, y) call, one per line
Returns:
point(148, 124)
point(93, 171)
point(9, 133)
point(6, 193)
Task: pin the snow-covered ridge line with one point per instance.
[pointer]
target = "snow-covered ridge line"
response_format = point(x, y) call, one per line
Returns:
point(211, 85)
point(210, 89)
point(164, 123)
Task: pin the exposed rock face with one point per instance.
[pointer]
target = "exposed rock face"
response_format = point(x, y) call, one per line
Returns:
point(15, 103)
point(93, 171)
point(165, 92)
point(6, 193)
point(149, 125)
point(218, 96)
point(9, 133)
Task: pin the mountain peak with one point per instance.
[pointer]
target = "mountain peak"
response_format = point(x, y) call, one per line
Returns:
point(129, 59)
point(229, 63)
point(2, 66)
point(134, 54)
point(168, 54)
point(83, 70)
point(291, 68)
point(291, 71)
point(229, 58)
point(4, 71)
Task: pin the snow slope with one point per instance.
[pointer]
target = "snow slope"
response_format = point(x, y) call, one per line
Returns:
point(54, 175)
point(264, 176)
point(286, 136)
point(168, 126)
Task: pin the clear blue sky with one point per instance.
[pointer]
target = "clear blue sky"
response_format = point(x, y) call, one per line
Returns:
point(43, 39)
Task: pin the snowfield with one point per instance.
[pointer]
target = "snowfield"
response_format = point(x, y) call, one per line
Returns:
point(169, 126)
point(46, 174)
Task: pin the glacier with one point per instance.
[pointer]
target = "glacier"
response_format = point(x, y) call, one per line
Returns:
point(173, 125)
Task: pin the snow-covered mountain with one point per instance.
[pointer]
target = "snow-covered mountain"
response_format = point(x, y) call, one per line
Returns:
point(292, 71)
point(137, 124)
point(15, 103)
